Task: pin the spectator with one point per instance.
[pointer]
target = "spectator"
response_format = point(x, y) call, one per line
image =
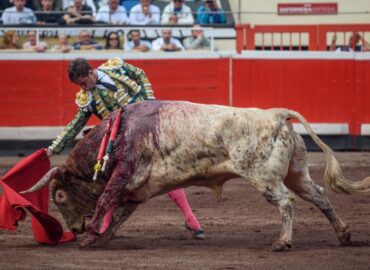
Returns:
point(177, 12)
point(197, 40)
point(135, 43)
point(90, 3)
point(47, 14)
point(112, 41)
point(78, 13)
point(112, 13)
point(353, 44)
point(11, 40)
point(18, 14)
point(145, 13)
point(9, 3)
point(63, 44)
point(57, 5)
point(211, 13)
point(167, 43)
point(33, 44)
point(86, 43)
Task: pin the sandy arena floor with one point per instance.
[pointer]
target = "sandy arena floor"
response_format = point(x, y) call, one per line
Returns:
point(240, 229)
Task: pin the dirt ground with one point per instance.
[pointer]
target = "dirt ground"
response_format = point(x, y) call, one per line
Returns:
point(240, 229)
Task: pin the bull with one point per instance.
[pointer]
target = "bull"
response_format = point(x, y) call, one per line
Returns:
point(164, 145)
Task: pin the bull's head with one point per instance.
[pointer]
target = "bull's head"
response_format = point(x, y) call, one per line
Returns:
point(76, 198)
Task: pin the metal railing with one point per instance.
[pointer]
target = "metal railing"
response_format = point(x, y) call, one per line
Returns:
point(296, 37)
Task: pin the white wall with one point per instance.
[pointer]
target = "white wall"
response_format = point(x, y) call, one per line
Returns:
point(262, 12)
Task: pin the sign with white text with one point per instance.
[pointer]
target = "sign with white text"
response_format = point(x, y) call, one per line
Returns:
point(307, 8)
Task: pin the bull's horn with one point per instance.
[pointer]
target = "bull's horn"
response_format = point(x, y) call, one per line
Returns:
point(52, 173)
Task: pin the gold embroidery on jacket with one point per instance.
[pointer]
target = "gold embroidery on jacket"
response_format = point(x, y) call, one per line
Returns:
point(83, 98)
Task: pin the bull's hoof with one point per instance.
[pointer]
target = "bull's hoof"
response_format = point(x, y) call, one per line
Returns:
point(344, 237)
point(103, 239)
point(88, 240)
point(281, 245)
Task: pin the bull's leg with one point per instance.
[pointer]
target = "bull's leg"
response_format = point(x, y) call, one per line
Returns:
point(299, 180)
point(267, 175)
point(111, 198)
point(277, 194)
point(269, 182)
point(106, 220)
point(119, 215)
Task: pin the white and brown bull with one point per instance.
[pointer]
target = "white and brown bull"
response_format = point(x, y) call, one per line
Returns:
point(163, 146)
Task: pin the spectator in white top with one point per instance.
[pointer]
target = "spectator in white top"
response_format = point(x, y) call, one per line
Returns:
point(113, 13)
point(135, 43)
point(18, 14)
point(33, 44)
point(177, 12)
point(167, 43)
point(145, 13)
point(197, 40)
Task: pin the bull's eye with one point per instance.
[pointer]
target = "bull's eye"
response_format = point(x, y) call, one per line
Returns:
point(60, 196)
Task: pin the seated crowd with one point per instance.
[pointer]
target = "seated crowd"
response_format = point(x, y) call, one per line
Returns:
point(134, 42)
point(113, 12)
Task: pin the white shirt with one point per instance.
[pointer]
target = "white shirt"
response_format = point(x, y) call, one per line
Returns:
point(12, 16)
point(39, 45)
point(158, 43)
point(138, 17)
point(184, 17)
point(102, 77)
point(118, 17)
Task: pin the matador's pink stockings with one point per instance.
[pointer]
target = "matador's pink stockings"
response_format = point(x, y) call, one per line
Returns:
point(179, 197)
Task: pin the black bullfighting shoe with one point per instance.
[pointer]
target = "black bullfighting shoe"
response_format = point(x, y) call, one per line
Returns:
point(197, 234)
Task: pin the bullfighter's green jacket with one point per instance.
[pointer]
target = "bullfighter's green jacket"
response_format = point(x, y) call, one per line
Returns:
point(131, 85)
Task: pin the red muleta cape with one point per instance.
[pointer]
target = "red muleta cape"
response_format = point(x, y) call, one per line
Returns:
point(46, 229)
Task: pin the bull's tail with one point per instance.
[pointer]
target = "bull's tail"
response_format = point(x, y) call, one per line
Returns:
point(333, 176)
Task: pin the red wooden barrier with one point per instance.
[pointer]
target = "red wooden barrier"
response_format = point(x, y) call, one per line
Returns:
point(361, 94)
point(38, 93)
point(325, 91)
point(31, 92)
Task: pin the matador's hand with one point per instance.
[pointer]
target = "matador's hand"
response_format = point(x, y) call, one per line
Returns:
point(49, 152)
